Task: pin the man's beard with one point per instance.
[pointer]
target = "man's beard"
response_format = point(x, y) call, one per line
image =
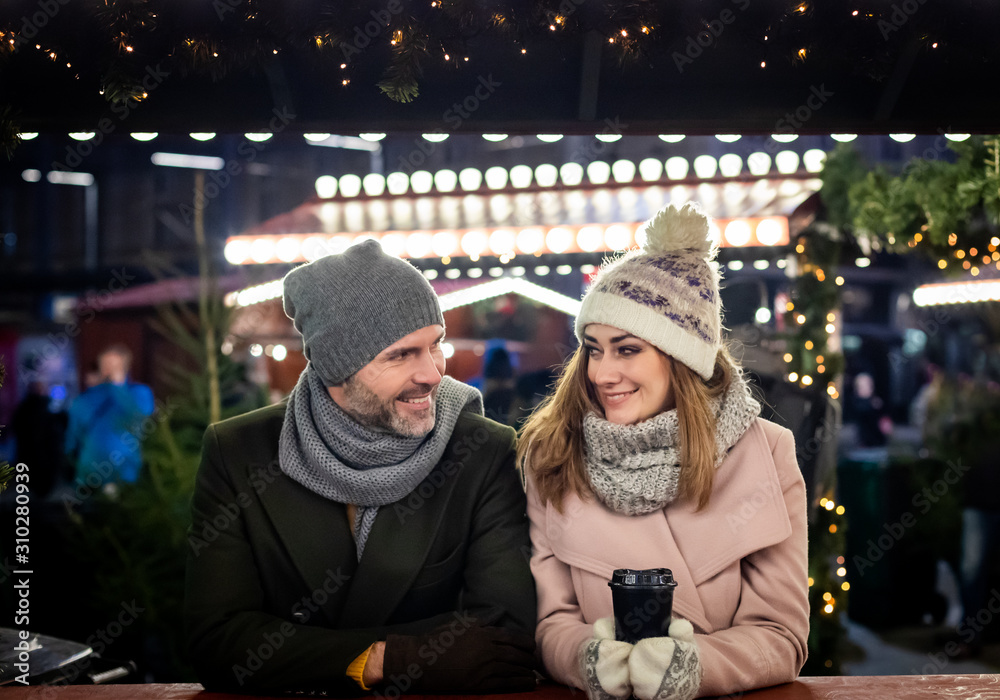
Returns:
point(371, 411)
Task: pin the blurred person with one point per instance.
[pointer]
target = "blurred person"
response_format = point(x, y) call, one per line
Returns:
point(104, 436)
point(530, 390)
point(498, 385)
point(868, 410)
point(372, 527)
point(649, 454)
point(40, 433)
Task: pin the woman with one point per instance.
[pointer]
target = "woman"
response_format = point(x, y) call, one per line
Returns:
point(650, 453)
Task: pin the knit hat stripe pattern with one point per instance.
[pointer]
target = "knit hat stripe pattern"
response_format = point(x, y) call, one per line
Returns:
point(351, 306)
point(654, 327)
point(667, 293)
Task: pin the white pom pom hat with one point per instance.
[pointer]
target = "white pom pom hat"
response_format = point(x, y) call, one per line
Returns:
point(666, 293)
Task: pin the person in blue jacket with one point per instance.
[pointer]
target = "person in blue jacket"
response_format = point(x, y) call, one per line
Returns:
point(104, 435)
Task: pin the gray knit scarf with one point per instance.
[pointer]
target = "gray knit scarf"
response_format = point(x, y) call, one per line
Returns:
point(634, 469)
point(333, 455)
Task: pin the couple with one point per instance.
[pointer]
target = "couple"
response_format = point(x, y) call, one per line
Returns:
point(387, 549)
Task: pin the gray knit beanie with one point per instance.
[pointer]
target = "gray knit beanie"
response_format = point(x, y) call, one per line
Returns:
point(351, 306)
point(667, 293)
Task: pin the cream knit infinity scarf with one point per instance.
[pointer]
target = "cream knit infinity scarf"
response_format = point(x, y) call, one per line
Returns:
point(635, 469)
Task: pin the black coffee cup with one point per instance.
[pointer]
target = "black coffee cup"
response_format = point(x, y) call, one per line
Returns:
point(643, 600)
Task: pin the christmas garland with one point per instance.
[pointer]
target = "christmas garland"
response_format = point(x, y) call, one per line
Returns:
point(112, 43)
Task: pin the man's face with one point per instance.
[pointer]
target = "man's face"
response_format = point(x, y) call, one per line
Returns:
point(396, 391)
point(113, 367)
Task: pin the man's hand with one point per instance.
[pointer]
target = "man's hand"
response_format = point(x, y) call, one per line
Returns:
point(472, 659)
point(373, 666)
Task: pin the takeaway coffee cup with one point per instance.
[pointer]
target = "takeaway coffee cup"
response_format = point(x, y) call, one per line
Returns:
point(643, 600)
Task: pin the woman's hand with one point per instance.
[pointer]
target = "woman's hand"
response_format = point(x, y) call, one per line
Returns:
point(604, 664)
point(666, 668)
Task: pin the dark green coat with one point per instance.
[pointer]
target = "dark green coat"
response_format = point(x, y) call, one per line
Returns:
point(275, 597)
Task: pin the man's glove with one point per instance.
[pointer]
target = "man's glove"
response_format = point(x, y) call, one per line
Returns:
point(666, 668)
point(604, 664)
point(473, 659)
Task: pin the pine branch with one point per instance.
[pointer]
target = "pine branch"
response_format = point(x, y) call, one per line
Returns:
point(10, 132)
point(400, 79)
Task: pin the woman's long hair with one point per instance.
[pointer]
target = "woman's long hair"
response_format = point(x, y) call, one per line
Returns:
point(550, 450)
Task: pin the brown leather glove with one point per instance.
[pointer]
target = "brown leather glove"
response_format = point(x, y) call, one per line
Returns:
point(460, 658)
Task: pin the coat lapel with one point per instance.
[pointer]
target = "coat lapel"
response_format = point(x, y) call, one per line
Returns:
point(745, 514)
point(316, 535)
point(580, 537)
point(395, 552)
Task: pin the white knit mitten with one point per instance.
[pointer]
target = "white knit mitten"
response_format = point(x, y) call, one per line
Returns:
point(604, 664)
point(666, 668)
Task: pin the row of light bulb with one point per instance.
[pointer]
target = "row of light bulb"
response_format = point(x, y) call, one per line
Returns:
point(569, 174)
point(502, 242)
point(437, 137)
point(453, 273)
point(957, 293)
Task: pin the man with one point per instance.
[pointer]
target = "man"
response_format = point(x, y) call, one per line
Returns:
point(371, 533)
point(104, 436)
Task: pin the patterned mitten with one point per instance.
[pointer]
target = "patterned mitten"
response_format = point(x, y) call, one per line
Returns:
point(666, 668)
point(604, 664)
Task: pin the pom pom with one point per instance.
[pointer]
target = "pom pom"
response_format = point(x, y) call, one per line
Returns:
point(672, 229)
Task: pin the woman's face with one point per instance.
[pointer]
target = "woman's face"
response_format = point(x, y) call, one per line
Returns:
point(632, 378)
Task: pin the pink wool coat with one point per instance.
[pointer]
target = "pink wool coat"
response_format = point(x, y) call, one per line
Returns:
point(740, 565)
